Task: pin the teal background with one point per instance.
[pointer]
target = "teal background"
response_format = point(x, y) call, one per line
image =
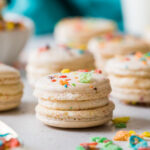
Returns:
point(46, 13)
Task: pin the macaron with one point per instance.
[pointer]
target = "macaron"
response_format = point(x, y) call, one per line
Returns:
point(130, 78)
point(47, 60)
point(11, 87)
point(108, 46)
point(79, 30)
point(74, 100)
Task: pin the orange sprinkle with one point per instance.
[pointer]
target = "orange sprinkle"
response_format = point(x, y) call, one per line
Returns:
point(138, 54)
point(122, 136)
point(91, 86)
point(63, 82)
point(144, 62)
point(76, 77)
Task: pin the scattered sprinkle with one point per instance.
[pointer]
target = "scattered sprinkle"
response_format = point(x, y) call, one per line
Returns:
point(125, 135)
point(73, 84)
point(63, 76)
point(83, 70)
point(53, 80)
point(120, 125)
point(65, 71)
point(121, 120)
point(65, 85)
point(122, 136)
point(135, 142)
point(85, 77)
point(98, 71)
point(146, 134)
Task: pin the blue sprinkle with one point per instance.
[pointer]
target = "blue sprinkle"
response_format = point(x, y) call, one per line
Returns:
point(65, 85)
point(143, 59)
point(3, 135)
point(1, 143)
point(81, 51)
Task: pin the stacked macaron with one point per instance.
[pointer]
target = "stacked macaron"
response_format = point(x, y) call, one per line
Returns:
point(74, 100)
point(109, 45)
point(11, 87)
point(130, 78)
point(53, 59)
point(80, 30)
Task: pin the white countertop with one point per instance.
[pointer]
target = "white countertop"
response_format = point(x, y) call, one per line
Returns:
point(37, 136)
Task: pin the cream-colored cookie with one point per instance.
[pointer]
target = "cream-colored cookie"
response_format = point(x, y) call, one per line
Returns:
point(109, 45)
point(74, 100)
point(80, 30)
point(53, 59)
point(130, 78)
point(11, 88)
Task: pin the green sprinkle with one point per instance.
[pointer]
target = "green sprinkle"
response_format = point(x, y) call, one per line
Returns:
point(79, 148)
point(73, 84)
point(70, 107)
point(120, 125)
point(85, 77)
point(147, 54)
point(98, 139)
point(108, 143)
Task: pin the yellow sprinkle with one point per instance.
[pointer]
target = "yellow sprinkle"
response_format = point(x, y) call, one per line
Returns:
point(83, 47)
point(9, 26)
point(65, 71)
point(131, 132)
point(146, 134)
point(133, 103)
point(121, 120)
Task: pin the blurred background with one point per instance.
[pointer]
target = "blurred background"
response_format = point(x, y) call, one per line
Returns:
point(46, 13)
point(131, 16)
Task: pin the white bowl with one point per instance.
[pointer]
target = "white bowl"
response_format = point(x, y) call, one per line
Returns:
point(12, 42)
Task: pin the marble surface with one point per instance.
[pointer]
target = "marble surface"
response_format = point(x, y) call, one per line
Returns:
point(37, 136)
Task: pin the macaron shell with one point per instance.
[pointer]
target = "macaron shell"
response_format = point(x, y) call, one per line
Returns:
point(10, 102)
point(117, 44)
point(77, 99)
point(83, 118)
point(80, 30)
point(98, 87)
point(130, 78)
point(73, 105)
point(11, 88)
point(72, 124)
point(42, 63)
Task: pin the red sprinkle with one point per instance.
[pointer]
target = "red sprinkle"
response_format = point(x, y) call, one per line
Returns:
point(127, 59)
point(93, 143)
point(14, 143)
point(98, 71)
point(43, 49)
point(63, 76)
point(84, 70)
point(144, 148)
point(67, 79)
point(53, 80)
point(109, 36)
point(106, 141)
